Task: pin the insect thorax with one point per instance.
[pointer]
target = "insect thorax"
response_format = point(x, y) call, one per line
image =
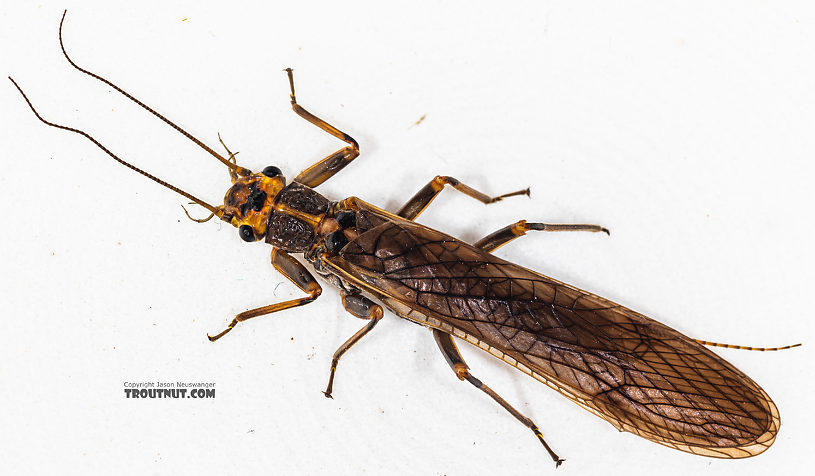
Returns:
point(295, 215)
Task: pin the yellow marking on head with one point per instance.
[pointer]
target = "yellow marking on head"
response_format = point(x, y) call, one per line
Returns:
point(249, 201)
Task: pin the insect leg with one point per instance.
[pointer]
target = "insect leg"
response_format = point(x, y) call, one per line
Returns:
point(326, 168)
point(297, 274)
point(503, 236)
point(453, 357)
point(416, 205)
point(363, 308)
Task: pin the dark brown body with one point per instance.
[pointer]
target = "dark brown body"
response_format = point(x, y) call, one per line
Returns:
point(639, 375)
point(636, 373)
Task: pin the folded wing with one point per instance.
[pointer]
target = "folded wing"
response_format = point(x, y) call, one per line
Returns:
point(640, 375)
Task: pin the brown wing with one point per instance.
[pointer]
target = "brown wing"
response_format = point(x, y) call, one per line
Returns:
point(640, 375)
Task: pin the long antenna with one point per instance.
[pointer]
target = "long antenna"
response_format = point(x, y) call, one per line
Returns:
point(238, 169)
point(217, 211)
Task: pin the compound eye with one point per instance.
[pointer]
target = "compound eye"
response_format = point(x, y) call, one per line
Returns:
point(272, 171)
point(246, 232)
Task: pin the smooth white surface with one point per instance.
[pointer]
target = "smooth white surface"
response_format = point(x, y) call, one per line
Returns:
point(684, 127)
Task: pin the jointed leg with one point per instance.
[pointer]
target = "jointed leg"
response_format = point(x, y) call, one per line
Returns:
point(423, 197)
point(326, 168)
point(453, 357)
point(503, 236)
point(363, 308)
point(297, 274)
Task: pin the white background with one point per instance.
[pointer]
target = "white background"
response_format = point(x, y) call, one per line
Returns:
point(684, 127)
